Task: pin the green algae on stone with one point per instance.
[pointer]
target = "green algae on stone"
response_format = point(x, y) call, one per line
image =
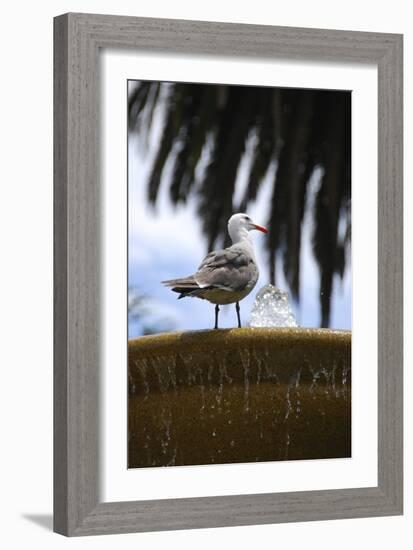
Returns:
point(239, 395)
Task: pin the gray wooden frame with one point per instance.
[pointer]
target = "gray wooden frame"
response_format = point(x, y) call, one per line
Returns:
point(77, 506)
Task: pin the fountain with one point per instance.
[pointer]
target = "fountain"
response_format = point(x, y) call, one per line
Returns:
point(272, 309)
point(240, 395)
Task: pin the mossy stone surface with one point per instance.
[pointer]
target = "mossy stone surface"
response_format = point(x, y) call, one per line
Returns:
point(239, 395)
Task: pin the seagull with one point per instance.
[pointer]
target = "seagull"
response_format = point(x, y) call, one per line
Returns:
point(224, 276)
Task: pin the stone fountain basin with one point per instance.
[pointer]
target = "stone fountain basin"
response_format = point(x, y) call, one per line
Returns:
point(239, 395)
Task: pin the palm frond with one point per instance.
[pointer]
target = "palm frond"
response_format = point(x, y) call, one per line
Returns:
point(217, 189)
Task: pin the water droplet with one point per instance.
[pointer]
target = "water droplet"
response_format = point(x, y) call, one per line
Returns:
point(272, 309)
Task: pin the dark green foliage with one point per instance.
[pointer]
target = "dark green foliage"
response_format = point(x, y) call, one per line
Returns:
point(299, 130)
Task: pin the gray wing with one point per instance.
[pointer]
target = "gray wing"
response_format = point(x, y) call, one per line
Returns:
point(229, 269)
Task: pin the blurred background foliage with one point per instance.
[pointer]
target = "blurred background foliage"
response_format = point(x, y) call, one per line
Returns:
point(148, 313)
point(207, 130)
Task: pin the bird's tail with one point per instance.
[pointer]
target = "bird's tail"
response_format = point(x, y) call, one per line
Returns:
point(185, 286)
point(184, 282)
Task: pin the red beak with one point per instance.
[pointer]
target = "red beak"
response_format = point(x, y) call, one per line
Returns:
point(260, 228)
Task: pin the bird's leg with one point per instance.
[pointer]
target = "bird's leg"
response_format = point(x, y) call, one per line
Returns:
point(238, 315)
point(216, 315)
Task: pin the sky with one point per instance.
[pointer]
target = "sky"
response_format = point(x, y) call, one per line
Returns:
point(166, 242)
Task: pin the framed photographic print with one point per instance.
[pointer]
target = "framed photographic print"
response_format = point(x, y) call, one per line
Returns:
point(228, 274)
point(238, 395)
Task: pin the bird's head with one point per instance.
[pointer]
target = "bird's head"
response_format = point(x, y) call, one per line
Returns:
point(240, 224)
